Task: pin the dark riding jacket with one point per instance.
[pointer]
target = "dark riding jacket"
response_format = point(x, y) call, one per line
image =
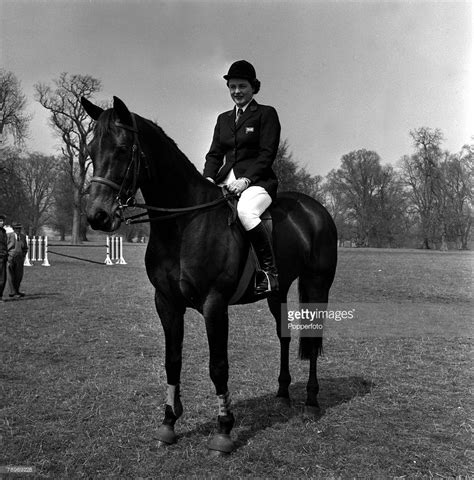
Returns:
point(250, 147)
point(3, 243)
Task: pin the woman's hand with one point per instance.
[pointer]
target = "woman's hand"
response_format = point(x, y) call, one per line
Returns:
point(238, 186)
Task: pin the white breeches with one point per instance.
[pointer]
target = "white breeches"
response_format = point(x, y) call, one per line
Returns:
point(252, 203)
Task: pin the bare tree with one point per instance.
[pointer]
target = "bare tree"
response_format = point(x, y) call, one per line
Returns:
point(74, 126)
point(358, 180)
point(12, 195)
point(63, 201)
point(334, 200)
point(422, 175)
point(366, 200)
point(390, 221)
point(13, 119)
point(293, 177)
point(38, 174)
point(458, 188)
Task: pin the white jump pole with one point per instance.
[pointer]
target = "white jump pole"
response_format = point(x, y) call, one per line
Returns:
point(33, 249)
point(45, 256)
point(27, 262)
point(121, 260)
point(39, 252)
point(113, 253)
point(107, 258)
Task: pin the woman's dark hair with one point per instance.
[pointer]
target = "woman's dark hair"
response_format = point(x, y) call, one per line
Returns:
point(255, 85)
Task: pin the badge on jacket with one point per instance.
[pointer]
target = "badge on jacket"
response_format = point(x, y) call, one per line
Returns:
point(248, 129)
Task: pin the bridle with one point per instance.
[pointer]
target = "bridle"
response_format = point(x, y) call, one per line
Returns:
point(126, 196)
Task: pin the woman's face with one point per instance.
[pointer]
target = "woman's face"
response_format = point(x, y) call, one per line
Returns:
point(240, 91)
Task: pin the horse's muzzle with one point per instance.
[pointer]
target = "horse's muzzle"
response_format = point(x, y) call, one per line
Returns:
point(99, 219)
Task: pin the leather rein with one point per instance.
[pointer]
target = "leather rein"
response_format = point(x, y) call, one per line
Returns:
point(128, 194)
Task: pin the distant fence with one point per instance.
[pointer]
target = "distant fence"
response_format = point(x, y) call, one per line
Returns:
point(39, 250)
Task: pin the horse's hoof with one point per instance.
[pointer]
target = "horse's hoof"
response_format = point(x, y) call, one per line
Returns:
point(217, 453)
point(283, 402)
point(312, 411)
point(161, 445)
point(220, 444)
point(165, 435)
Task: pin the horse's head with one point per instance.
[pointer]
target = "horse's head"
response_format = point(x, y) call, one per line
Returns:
point(115, 154)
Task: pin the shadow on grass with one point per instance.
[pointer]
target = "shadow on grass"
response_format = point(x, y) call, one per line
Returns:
point(256, 414)
point(32, 296)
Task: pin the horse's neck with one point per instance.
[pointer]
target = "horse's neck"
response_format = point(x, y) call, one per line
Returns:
point(172, 180)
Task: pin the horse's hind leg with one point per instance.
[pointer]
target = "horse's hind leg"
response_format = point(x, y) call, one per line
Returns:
point(172, 320)
point(277, 305)
point(313, 290)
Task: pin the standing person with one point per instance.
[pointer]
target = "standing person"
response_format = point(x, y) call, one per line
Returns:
point(247, 137)
point(3, 256)
point(17, 248)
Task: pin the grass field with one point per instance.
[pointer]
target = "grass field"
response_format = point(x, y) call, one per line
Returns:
point(83, 381)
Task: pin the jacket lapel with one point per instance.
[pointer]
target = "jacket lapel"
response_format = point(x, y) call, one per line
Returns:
point(231, 119)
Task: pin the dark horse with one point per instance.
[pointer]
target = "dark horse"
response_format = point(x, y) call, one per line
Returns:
point(195, 260)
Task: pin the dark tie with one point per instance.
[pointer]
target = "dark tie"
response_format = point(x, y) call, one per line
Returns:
point(239, 114)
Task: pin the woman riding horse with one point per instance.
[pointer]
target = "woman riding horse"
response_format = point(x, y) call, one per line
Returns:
point(247, 137)
point(194, 258)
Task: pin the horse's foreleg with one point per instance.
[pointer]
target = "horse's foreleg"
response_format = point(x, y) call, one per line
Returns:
point(217, 327)
point(172, 320)
point(277, 305)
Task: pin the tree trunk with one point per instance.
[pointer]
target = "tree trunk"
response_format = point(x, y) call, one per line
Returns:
point(76, 218)
point(465, 234)
point(83, 231)
point(76, 226)
point(444, 243)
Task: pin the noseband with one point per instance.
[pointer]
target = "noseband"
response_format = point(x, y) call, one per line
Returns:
point(126, 196)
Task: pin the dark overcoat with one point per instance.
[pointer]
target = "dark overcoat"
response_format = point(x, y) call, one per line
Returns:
point(3, 243)
point(250, 147)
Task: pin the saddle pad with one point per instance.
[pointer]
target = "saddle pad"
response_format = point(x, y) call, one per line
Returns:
point(251, 265)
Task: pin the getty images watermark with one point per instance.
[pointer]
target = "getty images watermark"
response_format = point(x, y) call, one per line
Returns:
point(309, 318)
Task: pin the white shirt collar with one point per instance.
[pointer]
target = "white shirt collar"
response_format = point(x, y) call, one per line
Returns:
point(244, 107)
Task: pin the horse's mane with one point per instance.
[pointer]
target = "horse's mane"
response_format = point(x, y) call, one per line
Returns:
point(174, 146)
point(106, 125)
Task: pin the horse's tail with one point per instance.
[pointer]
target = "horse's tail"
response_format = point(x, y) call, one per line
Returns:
point(314, 283)
point(308, 345)
point(310, 293)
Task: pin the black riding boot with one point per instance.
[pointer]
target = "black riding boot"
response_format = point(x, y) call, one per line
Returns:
point(267, 280)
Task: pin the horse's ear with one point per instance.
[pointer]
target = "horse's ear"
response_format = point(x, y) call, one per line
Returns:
point(122, 111)
point(92, 110)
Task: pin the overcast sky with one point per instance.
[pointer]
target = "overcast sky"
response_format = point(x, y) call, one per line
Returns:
point(342, 75)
